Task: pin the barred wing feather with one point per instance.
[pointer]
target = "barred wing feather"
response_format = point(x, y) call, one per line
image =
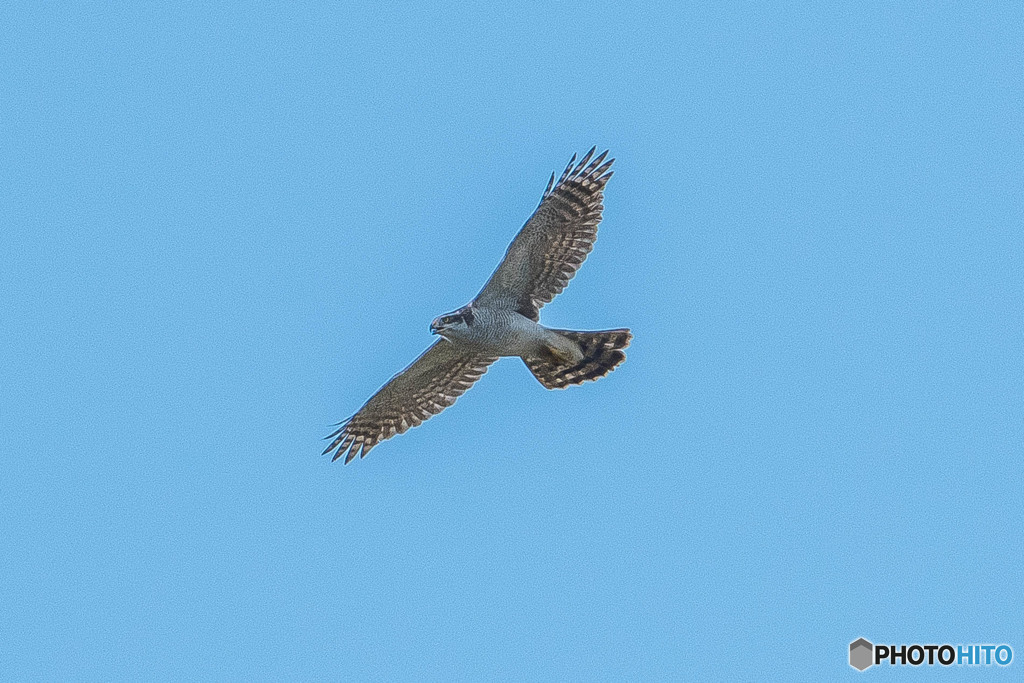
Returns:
point(554, 242)
point(429, 385)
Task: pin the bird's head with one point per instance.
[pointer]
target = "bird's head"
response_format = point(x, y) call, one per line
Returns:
point(453, 325)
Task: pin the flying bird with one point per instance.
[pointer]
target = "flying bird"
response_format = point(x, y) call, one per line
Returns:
point(503, 319)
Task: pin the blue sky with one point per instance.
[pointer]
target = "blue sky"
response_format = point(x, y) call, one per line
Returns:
point(225, 226)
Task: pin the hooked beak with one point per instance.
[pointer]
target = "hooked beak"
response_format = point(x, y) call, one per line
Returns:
point(436, 326)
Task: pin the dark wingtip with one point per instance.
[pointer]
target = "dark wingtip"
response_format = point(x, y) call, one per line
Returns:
point(338, 436)
point(551, 183)
point(334, 445)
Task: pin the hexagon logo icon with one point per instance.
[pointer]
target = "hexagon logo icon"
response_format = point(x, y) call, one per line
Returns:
point(861, 654)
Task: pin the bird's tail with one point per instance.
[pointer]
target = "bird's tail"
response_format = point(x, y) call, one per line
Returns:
point(602, 352)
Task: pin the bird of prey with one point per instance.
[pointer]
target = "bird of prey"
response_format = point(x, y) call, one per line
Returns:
point(503, 319)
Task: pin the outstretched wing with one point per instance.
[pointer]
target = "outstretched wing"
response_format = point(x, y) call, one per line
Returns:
point(553, 243)
point(429, 385)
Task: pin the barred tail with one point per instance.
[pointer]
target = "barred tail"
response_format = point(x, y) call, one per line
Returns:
point(602, 352)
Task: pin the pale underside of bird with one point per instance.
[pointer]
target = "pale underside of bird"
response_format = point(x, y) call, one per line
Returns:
point(503, 319)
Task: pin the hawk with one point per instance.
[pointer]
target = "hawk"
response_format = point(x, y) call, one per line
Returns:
point(503, 319)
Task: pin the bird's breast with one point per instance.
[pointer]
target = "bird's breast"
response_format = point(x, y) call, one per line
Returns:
point(506, 333)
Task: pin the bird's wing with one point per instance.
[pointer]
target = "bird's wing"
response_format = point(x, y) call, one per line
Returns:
point(553, 243)
point(429, 385)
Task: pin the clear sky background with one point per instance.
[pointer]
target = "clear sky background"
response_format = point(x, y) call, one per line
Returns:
point(224, 226)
